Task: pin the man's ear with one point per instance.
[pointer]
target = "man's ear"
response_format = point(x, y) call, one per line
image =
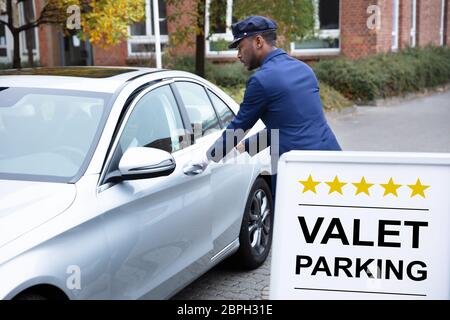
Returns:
point(259, 42)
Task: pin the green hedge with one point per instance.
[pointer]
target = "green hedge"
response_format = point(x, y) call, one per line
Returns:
point(228, 75)
point(331, 98)
point(387, 75)
point(5, 66)
point(232, 78)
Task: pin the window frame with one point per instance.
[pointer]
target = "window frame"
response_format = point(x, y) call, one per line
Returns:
point(210, 92)
point(227, 36)
point(395, 25)
point(113, 155)
point(9, 45)
point(413, 32)
point(442, 25)
point(322, 34)
point(6, 45)
point(23, 39)
point(149, 37)
point(183, 106)
point(170, 112)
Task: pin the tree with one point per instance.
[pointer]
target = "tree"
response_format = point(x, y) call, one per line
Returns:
point(194, 24)
point(103, 22)
point(295, 19)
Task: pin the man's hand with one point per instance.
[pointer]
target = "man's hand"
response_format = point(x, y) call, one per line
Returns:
point(200, 160)
point(241, 147)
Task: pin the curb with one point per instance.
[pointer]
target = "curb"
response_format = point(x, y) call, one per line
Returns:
point(342, 112)
point(407, 97)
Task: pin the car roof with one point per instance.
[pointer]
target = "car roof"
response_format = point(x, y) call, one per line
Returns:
point(97, 79)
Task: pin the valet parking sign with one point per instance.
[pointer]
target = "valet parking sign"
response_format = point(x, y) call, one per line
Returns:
point(360, 225)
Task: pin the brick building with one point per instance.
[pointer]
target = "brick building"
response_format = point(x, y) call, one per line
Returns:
point(351, 28)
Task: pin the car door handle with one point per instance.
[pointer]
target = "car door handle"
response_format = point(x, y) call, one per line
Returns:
point(193, 170)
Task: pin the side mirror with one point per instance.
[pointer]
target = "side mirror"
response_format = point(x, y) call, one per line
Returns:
point(144, 163)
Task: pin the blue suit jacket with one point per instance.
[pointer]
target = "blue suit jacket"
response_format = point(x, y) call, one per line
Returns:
point(284, 94)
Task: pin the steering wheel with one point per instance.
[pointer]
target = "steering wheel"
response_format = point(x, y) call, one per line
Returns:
point(75, 155)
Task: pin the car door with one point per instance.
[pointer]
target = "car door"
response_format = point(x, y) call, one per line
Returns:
point(231, 177)
point(159, 229)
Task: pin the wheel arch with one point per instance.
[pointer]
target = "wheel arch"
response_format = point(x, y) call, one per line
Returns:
point(48, 291)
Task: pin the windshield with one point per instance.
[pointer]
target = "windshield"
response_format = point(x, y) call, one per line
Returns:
point(48, 135)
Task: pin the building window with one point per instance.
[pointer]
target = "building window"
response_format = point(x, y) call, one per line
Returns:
point(395, 23)
point(219, 18)
point(142, 37)
point(413, 23)
point(3, 43)
point(441, 34)
point(326, 37)
point(27, 14)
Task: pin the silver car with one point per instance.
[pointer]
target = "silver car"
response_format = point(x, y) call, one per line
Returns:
point(98, 197)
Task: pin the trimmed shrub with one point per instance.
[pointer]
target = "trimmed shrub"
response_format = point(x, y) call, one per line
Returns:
point(332, 100)
point(232, 79)
point(237, 93)
point(183, 63)
point(5, 66)
point(225, 75)
point(387, 75)
point(228, 75)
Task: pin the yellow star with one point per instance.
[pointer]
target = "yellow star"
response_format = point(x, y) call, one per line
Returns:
point(391, 188)
point(362, 186)
point(309, 185)
point(418, 189)
point(336, 186)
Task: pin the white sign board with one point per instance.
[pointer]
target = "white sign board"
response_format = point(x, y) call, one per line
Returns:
point(360, 225)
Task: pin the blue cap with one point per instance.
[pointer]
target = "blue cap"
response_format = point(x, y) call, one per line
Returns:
point(251, 26)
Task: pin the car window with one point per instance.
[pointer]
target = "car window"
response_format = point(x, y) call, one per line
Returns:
point(155, 123)
point(198, 106)
point(48, 134)
point(224, 112)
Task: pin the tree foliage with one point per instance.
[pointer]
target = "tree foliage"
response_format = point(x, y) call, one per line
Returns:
point(103, 22)
point(295, 18)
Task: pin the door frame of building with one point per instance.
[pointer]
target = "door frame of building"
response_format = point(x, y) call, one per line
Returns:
point(89, 59)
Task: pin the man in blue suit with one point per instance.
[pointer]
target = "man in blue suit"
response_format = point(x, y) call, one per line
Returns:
point(283, 93)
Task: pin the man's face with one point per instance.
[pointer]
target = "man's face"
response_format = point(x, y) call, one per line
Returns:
point(247, 53)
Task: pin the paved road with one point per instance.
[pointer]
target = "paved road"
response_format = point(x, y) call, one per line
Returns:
point(419, 125)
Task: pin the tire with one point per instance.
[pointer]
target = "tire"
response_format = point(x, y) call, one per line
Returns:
point(30, 296)
point(255, 237)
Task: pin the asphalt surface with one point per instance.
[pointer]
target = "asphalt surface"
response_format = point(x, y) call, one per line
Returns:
point(418, 125)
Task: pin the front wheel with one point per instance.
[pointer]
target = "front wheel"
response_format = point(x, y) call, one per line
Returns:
point(255, 237)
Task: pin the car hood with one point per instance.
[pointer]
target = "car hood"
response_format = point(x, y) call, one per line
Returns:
point(25, 205)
